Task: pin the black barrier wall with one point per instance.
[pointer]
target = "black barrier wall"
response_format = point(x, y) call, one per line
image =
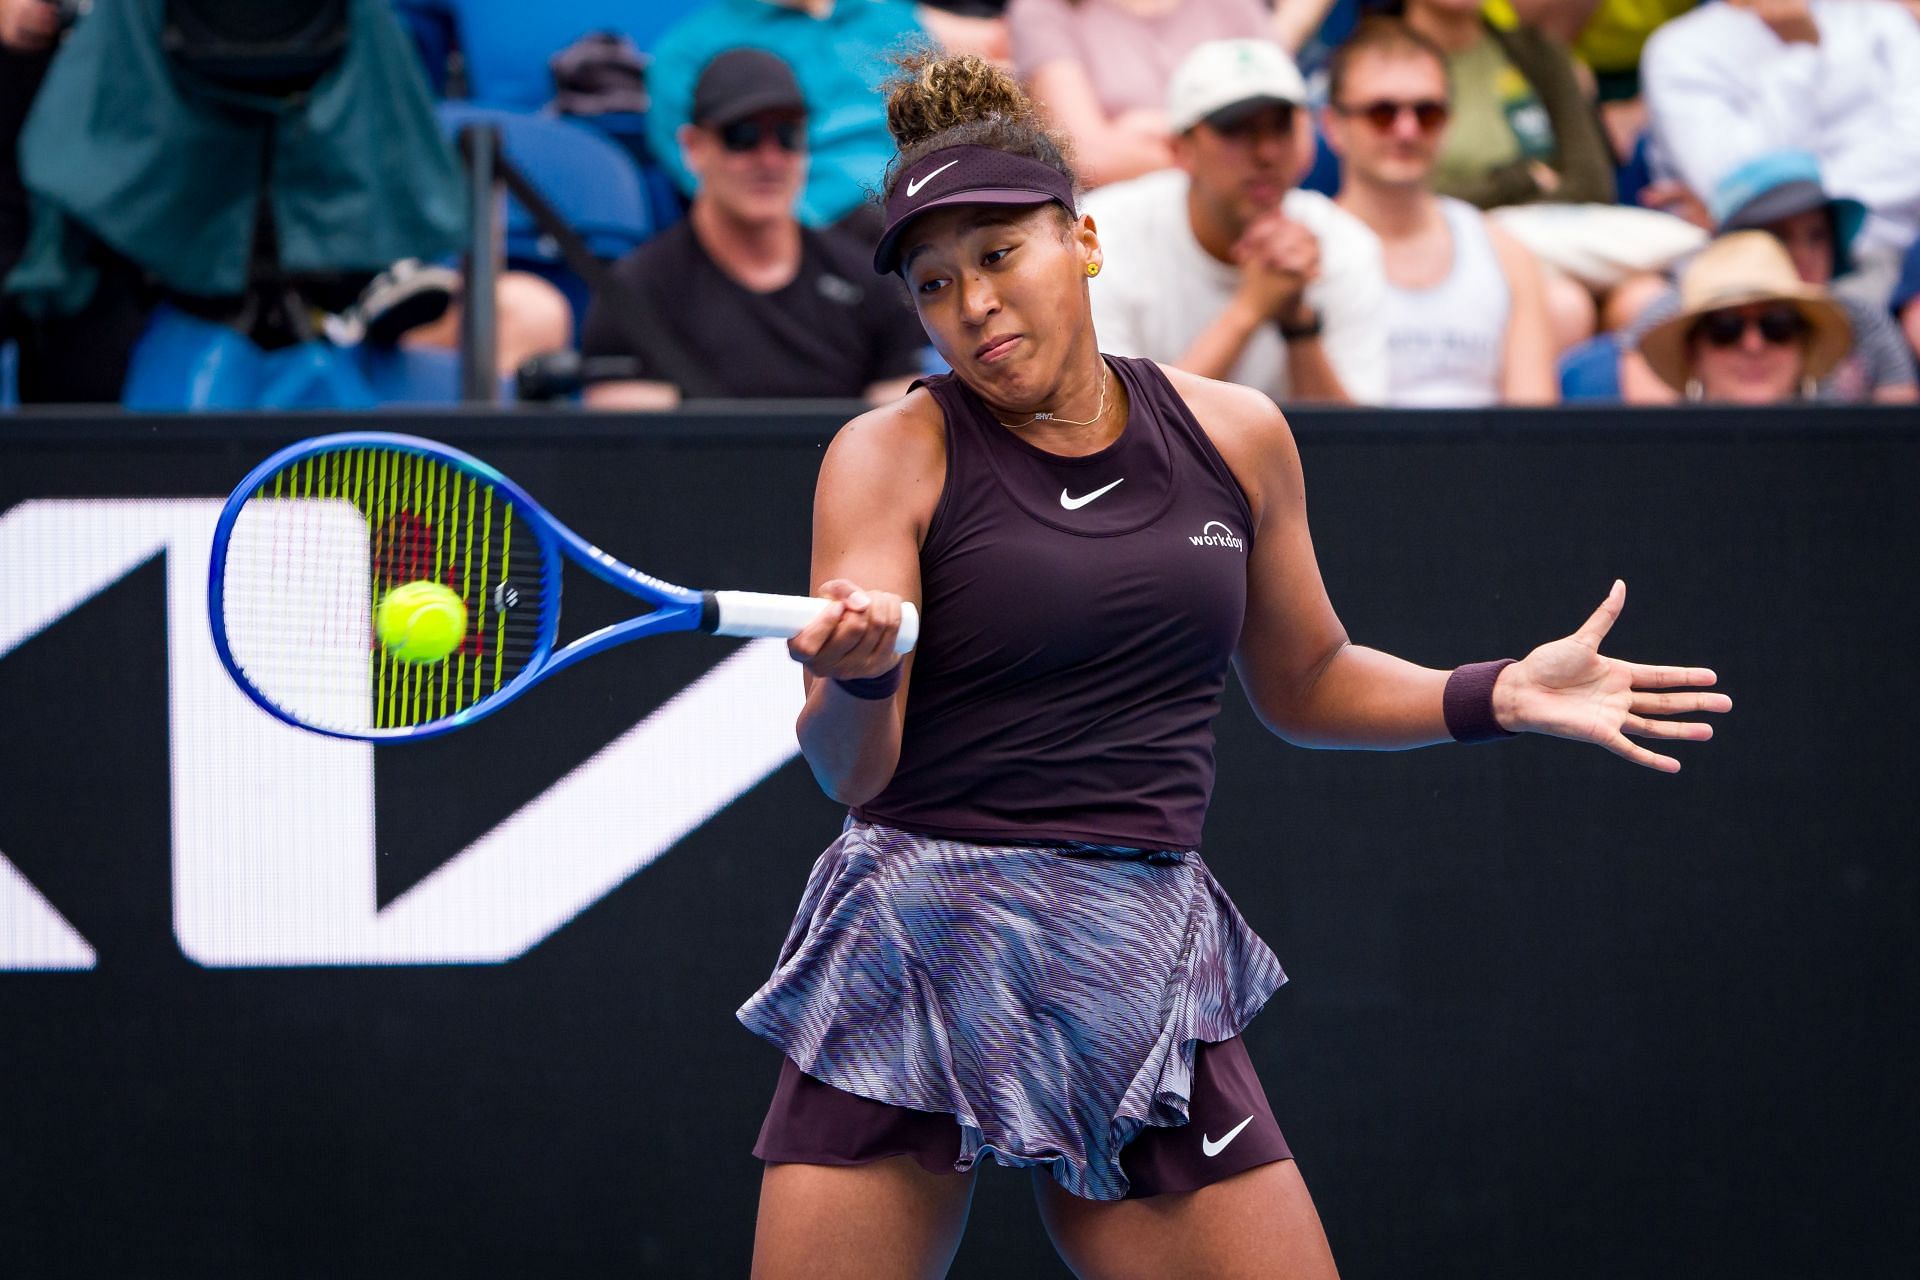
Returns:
point(284, 1007)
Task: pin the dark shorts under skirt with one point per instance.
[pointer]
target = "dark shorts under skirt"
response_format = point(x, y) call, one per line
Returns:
point(1229, 1129)
point(1047, 1004)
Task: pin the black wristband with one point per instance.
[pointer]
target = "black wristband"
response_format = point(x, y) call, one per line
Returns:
point(874, 688)
point(1467, 702)
point(1301, 332)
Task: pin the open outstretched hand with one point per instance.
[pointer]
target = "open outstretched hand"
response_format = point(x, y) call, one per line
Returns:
point(1568, 689)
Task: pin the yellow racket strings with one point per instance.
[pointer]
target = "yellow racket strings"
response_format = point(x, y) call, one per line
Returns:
point(322, 543)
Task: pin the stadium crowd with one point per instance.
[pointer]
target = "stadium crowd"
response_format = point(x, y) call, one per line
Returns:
point(1399, 202)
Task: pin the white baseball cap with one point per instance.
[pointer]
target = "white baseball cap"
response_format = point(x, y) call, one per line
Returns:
point(1224, 74)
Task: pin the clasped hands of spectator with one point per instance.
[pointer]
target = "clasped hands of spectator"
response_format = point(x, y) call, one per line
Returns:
point(1278, 259)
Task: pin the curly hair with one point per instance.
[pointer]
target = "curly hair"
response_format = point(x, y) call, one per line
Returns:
point(936, 101)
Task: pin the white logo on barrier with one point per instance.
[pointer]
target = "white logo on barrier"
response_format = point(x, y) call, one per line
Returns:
point(1224, 538)
point(273, 827)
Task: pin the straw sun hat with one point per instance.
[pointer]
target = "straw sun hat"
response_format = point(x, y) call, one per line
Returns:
point(1736, 269)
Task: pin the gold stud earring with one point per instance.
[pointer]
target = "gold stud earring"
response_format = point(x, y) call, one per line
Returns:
point(1093, 269)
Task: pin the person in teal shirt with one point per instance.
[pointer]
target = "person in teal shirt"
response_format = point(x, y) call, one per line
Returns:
point(840, 49)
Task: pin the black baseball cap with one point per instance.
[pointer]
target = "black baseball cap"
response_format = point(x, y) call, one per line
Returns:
point(744, 82)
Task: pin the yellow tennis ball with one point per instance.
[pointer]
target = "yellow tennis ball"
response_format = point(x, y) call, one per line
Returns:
point(421, 621)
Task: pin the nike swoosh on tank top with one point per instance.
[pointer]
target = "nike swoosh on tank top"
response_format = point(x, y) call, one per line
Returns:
point(1075, 651)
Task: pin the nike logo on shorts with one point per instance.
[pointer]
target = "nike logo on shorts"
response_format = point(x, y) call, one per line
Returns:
point(1213, 1148)
point(1074, 504)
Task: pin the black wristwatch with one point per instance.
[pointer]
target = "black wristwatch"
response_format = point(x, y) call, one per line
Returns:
point(1301, 332)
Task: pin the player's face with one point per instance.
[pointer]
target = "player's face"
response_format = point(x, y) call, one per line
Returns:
point(1241, 171)
point(751, 169)
point(1391, 118)
point(1755, 354)
point(1002, 294)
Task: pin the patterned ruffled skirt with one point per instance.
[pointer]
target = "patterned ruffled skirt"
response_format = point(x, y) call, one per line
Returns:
point(1048, 998)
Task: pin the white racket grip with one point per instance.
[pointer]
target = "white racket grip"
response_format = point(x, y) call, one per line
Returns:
point(756, 613)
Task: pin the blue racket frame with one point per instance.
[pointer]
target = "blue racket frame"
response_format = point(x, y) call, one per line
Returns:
point(676, 608)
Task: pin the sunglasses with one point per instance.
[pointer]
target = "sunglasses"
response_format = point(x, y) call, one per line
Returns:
point(1428, 113)
point(1277, 118)
point(746, 135)
point(1778, 325)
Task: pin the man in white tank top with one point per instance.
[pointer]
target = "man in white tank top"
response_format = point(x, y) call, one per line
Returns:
point(1466, 314)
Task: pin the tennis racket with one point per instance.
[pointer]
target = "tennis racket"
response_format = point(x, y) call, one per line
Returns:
point(316, 537)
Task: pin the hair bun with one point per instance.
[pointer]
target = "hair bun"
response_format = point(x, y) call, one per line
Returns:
point(934, 93)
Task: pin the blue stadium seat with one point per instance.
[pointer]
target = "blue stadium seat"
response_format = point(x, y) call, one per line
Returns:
point(411, 376)
point(505, 44)
point(1591, 370)
point(185, 362)
point(588, 179)
point(665, 204)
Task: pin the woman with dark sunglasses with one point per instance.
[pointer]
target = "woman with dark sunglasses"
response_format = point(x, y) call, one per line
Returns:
point(1749, 331)
point(1014, 950)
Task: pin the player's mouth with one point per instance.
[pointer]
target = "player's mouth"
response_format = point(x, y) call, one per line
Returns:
point(994, 349)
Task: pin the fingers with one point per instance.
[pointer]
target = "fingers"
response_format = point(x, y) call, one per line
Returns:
point(1639, 755)
point(872, 654)
point(853, 636)
point(839, 589)
point(1678, 730)
point(811, 641)
point(1595, 628)
point(1651, 677)
point(1668, 704)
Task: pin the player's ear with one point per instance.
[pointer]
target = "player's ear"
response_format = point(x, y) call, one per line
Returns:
point(1086, 238)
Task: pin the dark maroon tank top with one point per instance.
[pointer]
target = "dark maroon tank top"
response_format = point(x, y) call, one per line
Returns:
point(1080, 617)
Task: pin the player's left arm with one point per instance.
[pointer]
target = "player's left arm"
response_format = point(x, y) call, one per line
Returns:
point(1313, 686)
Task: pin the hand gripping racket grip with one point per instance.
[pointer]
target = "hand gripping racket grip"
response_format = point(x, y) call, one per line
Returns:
point(754, 613)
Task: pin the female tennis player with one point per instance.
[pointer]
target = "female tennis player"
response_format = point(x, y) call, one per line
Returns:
point(1014, 949)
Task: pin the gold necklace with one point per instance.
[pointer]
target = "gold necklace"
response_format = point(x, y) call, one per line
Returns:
point(1066, 422)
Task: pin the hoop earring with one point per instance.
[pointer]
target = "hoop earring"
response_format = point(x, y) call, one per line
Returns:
point(1695, 391)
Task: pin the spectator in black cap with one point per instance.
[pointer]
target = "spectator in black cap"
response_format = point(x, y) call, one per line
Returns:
point(739, 298)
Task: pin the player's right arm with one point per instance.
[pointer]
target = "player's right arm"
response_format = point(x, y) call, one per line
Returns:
point(878, 485)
